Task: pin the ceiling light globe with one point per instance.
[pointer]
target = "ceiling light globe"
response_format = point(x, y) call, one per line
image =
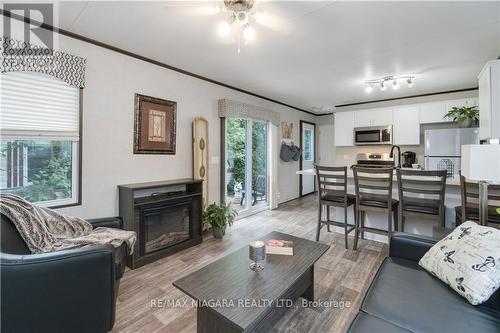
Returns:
point(382, 86)
point(224, 29)
point(369, 89)
point(242, 17)
point(395, 85)
point(410, 83)
point(249, 33)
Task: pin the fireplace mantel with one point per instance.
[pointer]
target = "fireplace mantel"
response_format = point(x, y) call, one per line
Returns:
point(148, 208)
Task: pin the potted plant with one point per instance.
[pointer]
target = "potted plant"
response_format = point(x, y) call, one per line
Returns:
point(466, 116)
point(219, 216)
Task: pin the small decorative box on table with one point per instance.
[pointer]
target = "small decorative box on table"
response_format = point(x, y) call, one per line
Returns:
point(166, 216)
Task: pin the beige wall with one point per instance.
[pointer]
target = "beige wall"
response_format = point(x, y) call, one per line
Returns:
point(112, 79)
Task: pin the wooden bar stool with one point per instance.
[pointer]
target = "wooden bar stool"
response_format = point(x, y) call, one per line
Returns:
point(421, 193)
point(332, 191)
point(374, 193)
point(469, 210)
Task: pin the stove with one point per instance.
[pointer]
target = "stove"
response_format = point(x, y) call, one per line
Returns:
point(374, 160)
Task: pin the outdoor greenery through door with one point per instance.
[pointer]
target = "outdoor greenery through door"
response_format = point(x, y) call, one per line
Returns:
point(246, 164)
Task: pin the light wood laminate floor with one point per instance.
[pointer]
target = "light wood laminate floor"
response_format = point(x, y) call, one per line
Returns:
point(340, 275)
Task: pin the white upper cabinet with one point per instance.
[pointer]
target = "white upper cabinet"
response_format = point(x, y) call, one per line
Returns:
point(344, 125)
point(381, 117)
point(489, 101)
point(363, 118)
point(433, 113)
point(461, 102)
point(406, 125)
point(406, 119)
point(373, 117)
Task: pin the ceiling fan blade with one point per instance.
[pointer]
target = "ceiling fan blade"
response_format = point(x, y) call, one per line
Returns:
point(272, 22)
point(193, 9)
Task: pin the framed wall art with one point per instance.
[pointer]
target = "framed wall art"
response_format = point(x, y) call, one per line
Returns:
point(155, 124)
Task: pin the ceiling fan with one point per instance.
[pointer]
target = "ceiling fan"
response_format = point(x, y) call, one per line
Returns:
point(239, 18)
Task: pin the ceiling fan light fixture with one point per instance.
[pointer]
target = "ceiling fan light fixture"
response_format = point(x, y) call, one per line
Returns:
point(224, 29)
point(248, 33)
point(242, 18)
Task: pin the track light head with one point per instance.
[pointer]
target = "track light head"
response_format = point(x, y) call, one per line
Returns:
point(409, 82)
point(369, 88)
point(395, 84)
point(382, 86)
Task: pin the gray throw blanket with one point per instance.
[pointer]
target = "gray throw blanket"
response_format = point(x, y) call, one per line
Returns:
point(44, 230)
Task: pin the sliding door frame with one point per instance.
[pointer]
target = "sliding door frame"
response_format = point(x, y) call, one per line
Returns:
point(248, 165)
point(302, 122)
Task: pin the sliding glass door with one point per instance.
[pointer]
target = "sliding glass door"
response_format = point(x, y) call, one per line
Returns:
point(246, 165)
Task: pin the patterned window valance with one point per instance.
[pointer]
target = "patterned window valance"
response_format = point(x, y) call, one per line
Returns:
point(229, 108)
point(19, 56)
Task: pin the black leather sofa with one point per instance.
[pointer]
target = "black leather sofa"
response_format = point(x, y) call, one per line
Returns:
point(65, 291)
point(405, 298)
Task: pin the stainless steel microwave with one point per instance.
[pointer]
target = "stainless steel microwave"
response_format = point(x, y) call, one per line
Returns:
point(374, 135)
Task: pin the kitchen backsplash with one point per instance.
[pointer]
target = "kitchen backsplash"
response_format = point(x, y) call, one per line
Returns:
point(347, 155)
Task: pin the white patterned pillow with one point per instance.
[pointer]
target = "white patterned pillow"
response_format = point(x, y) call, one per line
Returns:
point(468, 260)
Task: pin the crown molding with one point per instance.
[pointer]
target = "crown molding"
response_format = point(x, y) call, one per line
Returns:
point(82, 38)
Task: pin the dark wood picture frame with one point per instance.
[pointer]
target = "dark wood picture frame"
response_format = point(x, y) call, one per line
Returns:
point(155, 121)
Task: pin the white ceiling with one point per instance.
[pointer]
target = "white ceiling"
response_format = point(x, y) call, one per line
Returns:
point(316, 54)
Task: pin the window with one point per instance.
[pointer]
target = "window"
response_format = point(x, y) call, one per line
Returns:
point(39, 138)
point(307, 145)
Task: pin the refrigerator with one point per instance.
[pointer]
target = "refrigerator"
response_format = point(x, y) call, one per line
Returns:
point(443, 148)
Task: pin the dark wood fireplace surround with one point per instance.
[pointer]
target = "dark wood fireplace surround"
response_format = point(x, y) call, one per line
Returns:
point(136, 201)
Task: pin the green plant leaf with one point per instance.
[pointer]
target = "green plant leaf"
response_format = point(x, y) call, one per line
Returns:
point(219, 215)
point(459, 114)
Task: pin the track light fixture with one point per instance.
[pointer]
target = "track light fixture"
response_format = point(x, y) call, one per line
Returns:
point(382, 86)
point(392, 80)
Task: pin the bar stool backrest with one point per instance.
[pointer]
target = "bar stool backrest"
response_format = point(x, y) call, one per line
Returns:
point(469, 192)
point(332, 181)
point(422, 188)
point(373, 184)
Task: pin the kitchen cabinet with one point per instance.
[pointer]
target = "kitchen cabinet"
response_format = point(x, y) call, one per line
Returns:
point(344, 126)
point(406, 119)
point(363, 118)
point(381, 117)
point(372, 117)
point(461, 102)
point(489, 101)
point(433, 113)
point(406, 125)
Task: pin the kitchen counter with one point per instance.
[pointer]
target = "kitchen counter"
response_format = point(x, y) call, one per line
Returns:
point(416, 225)
point(452, 181)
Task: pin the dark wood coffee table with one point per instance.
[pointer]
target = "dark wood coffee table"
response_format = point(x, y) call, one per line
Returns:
point(232, 298)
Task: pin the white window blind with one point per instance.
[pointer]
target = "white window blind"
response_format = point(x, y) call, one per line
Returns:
point(37, 105)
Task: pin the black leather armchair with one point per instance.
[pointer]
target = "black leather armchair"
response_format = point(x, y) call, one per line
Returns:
point(65, 291)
